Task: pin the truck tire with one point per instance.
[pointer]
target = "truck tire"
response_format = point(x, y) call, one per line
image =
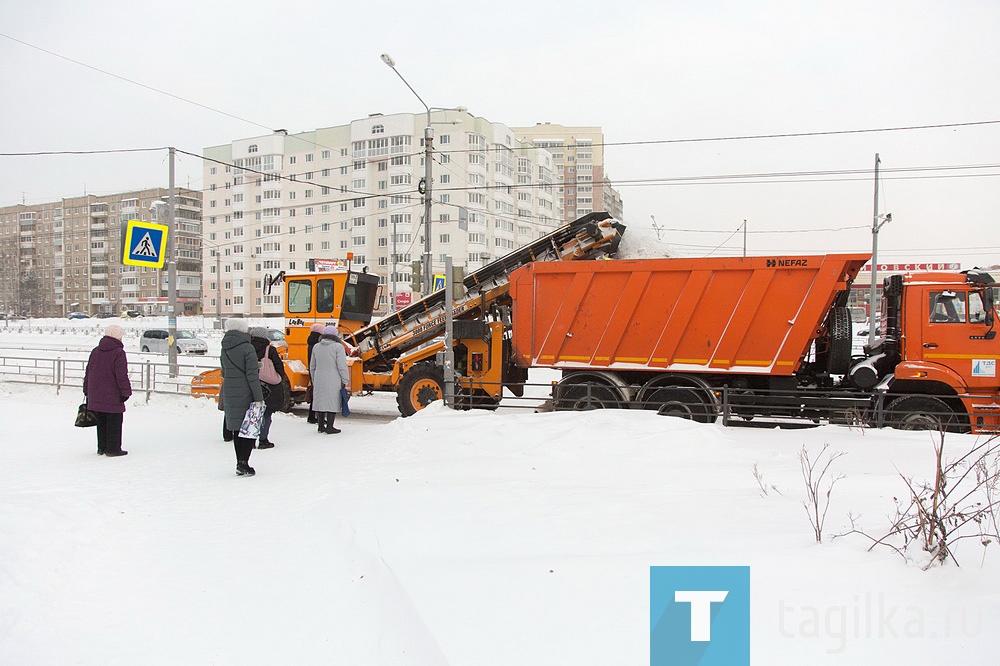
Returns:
point(921, 412)
point(680, 401)
point(419, 387)
point(584, 395)
point(838, 326)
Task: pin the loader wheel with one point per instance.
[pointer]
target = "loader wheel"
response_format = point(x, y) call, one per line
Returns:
point(422, 385)
point(285, 388)
point(917, 412)
point(680, 401)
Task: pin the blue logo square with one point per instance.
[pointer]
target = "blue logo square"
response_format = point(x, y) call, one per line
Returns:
point(699, 616)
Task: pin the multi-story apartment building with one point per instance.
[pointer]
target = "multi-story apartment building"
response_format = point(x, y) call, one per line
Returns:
point(582, 183)
point(274, 203)
point(65, 256)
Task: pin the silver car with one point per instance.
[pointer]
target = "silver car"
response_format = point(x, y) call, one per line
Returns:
point(155, 340)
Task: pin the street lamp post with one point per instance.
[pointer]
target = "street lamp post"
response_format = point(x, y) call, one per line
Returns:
point(428, 154)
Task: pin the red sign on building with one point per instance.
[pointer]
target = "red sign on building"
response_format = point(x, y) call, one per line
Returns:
point(403, 299)
point(913, 268)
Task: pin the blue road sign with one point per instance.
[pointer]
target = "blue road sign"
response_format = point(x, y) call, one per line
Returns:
point(145, 244)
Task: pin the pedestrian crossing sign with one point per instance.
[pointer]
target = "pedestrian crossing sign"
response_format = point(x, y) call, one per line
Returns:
point(145, 244)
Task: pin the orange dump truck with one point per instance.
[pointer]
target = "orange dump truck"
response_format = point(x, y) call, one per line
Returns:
point(763, 336)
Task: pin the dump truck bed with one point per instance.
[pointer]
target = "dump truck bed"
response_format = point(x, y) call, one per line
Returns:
point(754, 315)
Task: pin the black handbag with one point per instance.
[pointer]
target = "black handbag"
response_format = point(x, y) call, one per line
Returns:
point(84, 417)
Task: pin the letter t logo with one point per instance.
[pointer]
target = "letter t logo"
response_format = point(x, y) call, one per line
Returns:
point(701, 610)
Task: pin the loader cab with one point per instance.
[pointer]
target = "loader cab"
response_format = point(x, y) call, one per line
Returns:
point(343, 298)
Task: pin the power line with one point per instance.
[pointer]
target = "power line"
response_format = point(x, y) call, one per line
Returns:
point(134, 82)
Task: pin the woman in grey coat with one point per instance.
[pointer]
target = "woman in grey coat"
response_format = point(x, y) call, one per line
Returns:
point(328, 374)
point(240, 387)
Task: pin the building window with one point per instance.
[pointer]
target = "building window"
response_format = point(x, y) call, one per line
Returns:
point(252, 148)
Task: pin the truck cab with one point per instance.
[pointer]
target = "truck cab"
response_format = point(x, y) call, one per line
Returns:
point(944, 325)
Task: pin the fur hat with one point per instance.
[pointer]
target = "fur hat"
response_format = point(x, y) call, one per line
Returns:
point(317, 328)
point(115, 331)
point(237, 324)
point(258, 332)
point(331, 330)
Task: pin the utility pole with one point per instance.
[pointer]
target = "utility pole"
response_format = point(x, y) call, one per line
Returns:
point(218, 287)
point(426, 188)
point(392, 266)
point(171, 269)
point(876, 225)
point(428, 156)
point(449, 334)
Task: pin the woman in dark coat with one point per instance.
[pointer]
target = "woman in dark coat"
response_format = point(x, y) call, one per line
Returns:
point(314, 332)
point(328, 373)
point(107, 387)
point(276, 398)
point(240, 387)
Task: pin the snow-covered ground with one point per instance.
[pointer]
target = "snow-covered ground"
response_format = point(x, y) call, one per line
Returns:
point(464, 538)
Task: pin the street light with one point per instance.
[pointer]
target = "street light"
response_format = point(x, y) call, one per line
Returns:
point(428, 152)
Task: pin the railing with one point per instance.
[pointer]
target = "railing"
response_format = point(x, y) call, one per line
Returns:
point(726, 405)
point(146, 376)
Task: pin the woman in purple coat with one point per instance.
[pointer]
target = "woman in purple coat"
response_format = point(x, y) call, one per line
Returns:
point(107, 387)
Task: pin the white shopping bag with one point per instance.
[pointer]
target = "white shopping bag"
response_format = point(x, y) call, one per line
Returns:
point(251, 421)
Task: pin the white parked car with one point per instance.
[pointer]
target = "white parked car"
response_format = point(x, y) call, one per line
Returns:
point(155, 340)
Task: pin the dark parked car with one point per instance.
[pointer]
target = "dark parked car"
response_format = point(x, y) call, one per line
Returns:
point(78, 315)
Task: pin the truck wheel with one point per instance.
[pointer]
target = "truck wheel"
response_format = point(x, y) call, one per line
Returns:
point(422, 385)
point(918, 412)
point(680, 401)
point(839, 329)
point(145, 349)
point(585, 396)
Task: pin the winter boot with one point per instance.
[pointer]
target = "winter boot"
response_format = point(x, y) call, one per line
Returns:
point(243, 468)
point(264, 444)
point(321, 421)
point(115, 454)
point(330, 430)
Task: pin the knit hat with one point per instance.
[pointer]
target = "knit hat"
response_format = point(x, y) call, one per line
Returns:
point(316, 328)
point(258, 332)
point(115, 331)
point(331, 330)
point(237, 324)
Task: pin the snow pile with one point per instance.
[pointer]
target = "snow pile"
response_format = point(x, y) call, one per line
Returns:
point(464, 538)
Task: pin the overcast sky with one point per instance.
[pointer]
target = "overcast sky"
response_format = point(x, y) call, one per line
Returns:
point(656, 71)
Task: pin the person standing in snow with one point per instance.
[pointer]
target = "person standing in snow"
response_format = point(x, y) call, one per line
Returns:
point(328, 374)
point(240, 387)
point(315, 331)
point(107, 387)
point(266, 353)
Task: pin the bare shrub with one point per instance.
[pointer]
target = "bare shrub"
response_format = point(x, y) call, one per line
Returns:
point(817, 502)
point(765, 487)
point(960, 503)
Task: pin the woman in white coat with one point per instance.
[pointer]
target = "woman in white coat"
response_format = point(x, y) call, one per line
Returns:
point(328, 374)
